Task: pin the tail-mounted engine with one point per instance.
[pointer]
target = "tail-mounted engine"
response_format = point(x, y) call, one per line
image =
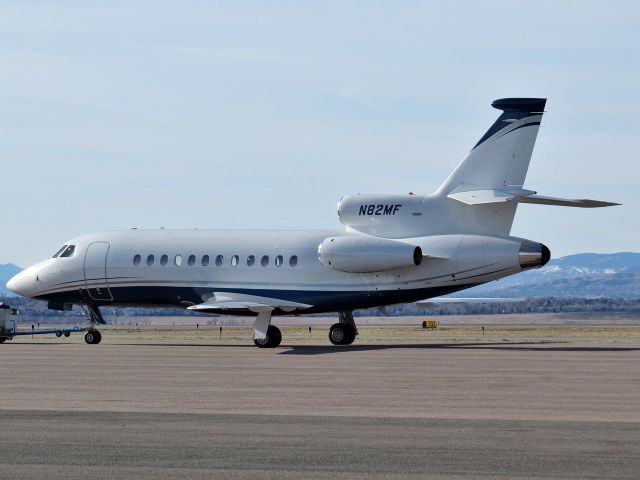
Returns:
point(361, 254)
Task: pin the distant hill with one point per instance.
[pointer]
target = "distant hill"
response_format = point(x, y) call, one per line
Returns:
point(581, 275)
point(7, 271)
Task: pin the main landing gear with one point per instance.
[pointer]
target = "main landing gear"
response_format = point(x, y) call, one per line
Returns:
point(269, 336)
point(266, 335)
point(344, 332)
point(272, 340)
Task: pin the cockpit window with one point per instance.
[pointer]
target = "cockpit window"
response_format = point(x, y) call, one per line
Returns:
point(69, 251)
point(55, 255)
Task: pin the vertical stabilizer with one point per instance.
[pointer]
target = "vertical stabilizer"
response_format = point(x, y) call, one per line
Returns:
point(498, 162)
point(501, 157)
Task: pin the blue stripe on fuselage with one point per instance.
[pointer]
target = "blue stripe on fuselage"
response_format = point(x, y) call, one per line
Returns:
point(322, 301)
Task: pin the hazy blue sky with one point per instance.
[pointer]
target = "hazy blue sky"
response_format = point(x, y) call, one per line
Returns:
point(263, 114)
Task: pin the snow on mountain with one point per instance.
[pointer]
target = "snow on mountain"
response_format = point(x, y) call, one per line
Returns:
point(581, 275)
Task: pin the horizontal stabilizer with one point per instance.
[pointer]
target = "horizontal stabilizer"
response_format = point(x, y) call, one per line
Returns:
point(565, 202)
point(482, 197)
point(249, 303)
point(520, 195)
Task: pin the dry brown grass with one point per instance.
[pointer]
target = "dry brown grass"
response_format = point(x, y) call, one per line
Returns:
point(208, 335)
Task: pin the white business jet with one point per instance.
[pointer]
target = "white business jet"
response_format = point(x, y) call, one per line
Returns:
point(394, 249)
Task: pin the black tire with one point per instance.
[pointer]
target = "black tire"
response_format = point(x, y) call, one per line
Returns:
point(92, 337)
point(352, 336)
point(341, 334)
point(67, 334)
point(274, 337)
point(3, 339)
point(337, 333)
point(58, 333)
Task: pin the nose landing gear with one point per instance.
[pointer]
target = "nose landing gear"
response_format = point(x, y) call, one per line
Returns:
point(92, 337)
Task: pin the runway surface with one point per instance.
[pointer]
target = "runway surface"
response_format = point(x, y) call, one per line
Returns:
point(474, 410)
point(157, 446)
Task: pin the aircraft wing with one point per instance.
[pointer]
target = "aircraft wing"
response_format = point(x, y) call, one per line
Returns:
point(438, 301)
point(250, 303)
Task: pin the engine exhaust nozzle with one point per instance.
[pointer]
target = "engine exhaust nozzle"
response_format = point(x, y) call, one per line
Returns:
point(533, 255)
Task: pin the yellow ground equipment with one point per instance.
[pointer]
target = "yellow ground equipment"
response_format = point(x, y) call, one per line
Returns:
point(430, 324)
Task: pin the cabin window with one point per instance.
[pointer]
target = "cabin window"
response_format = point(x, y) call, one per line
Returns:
point(59, 251)
point(136, 259)
point(293, 261)
point(264, 261)
point(234, 260)
point(164, 259)
point(150, 260)
point(205, 260)
point(191, 260)
point(178, 260)
point(69, 251)
point(219, 260)
point(279, 261)
point(251, 259)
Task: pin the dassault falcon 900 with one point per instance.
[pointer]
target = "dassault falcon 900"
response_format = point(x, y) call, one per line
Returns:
point(394, 249)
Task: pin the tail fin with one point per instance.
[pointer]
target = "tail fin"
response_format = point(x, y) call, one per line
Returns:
point(493, 172)
point(481, 195)
point(501, 157)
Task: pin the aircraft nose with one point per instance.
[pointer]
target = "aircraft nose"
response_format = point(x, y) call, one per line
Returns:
point(22, 284)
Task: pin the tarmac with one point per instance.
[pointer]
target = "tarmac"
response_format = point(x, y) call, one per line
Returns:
point(452, 408)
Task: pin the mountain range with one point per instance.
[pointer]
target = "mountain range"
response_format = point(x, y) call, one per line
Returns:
point(581, 275)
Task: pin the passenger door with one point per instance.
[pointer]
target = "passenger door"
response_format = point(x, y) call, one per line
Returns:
point(95, 271)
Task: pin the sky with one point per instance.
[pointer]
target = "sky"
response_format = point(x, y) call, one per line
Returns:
point(264, 114)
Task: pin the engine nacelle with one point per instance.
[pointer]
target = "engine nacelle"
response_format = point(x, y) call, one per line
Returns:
point(360, 254)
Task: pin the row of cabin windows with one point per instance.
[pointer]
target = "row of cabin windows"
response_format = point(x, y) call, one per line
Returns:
point(219, 260)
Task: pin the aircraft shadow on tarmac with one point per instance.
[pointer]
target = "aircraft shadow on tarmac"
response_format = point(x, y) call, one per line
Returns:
point(520, 346)
point(543, 346)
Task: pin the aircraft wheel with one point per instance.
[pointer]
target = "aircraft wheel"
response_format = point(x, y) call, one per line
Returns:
point(274, 337)
point(3, 339)
point(341, 334)
point(58, 333)
point(67, 334)
point(93, 337)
